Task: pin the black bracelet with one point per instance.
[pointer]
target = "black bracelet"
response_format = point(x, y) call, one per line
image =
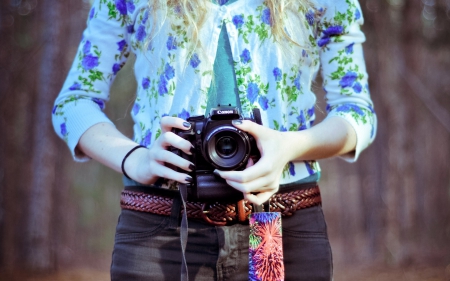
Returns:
point(126, 156)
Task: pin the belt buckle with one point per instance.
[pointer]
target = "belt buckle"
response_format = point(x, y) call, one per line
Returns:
point(241, 214)
point(205, 217)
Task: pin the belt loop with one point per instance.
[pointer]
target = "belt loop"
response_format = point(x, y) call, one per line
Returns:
point(266, 206)
point(175, 213)
point(257, 208)
point(240, 210)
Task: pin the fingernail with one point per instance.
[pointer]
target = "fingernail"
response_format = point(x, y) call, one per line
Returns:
point(191, 167)
point(187, 124)
point(192, 150)
point(189, 179)
point(215, 172)
point(237, 122)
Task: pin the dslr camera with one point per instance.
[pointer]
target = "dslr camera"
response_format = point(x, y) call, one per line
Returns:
point(218, 145)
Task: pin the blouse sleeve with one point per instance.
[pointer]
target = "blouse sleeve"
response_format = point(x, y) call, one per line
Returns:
point(344, 73)
point(102, 52)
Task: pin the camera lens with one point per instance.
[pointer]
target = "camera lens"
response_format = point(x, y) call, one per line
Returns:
point(226, 147)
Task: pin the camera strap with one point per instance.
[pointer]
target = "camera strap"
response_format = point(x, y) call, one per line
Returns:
point(184, 233)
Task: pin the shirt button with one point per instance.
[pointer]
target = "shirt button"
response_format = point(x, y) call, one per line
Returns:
point(241, 88)
point(223, 9)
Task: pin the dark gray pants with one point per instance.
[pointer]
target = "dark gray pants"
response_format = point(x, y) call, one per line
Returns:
point(147, 247)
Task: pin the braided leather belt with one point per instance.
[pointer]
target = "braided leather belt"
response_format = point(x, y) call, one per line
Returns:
point(221, 213)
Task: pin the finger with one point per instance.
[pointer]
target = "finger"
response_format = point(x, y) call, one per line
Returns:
point(260, 169)
point(168, 123)
point(173, 159)
point(250, 163)
point(259, 198)
point(249, 127)
point(165, 172)
point(257, 185)
point(170, 139)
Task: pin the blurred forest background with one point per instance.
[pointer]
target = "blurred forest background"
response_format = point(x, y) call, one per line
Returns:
point(388, 215)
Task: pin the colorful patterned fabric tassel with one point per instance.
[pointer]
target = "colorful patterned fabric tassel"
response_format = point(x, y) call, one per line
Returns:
point(265, 247)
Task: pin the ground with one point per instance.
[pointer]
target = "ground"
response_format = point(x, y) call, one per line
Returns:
point(416, 273)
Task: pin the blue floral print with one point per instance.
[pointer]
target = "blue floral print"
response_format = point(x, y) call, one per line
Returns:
point(302, 122)
point(238, 21)
point(169, 71)
point(291, 169)
point(92, 13)
point(309, 167)
point(130, 6)
point(63, 129)
point(122, 45)
point(334, 30)
point(324, 41)
point(121, 6)
point(171, 43)
point(99, 102)
point(265, 18)
point(89, 62)
point(263, 102)
point(348, 79)
point(130, 29)
point(145, 83)
point(136, 108)
point(350, 107)
point(116, 68)
point(357, 87)
point(75, 86)
point(357, 14)
point(330, 31)
point(349, 49)
point(125, 6)
point(141, 33)
point(184, 114)
point(311, 112)
point(147, 139)
point(277, 73)
point(162, 85)
point(310, 17)
point(245, 56)
point(195, 61)
point(252, 92)
point(297, 82)
point(145, 17)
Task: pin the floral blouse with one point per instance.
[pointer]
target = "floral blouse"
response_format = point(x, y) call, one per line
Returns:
point(174, 81)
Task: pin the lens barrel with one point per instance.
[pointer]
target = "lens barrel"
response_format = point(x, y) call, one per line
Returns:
point(226, 147)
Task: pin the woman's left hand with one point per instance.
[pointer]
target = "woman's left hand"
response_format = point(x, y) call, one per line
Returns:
point(260, 180)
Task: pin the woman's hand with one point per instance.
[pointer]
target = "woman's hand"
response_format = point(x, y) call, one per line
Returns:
point(147, 165)
point(332, 137)
point(260, 180)
point(104, 143)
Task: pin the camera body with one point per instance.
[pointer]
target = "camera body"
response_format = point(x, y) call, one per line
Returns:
point(218, 145)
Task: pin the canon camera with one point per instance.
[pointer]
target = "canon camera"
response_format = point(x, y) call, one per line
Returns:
point(218, 145)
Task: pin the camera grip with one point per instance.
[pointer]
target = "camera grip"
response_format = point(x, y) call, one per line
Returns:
point(212, 188)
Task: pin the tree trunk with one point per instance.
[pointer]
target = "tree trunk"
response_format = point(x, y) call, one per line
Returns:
point(42, 184)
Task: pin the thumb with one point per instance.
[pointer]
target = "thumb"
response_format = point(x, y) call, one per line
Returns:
point(248, 126)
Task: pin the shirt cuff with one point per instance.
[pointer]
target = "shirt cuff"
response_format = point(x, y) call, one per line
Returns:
point(365, 134)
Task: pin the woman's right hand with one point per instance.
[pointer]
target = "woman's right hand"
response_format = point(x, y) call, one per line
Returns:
point(147, 165)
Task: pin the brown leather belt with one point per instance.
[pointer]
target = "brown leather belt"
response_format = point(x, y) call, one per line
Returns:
point(221, 213)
